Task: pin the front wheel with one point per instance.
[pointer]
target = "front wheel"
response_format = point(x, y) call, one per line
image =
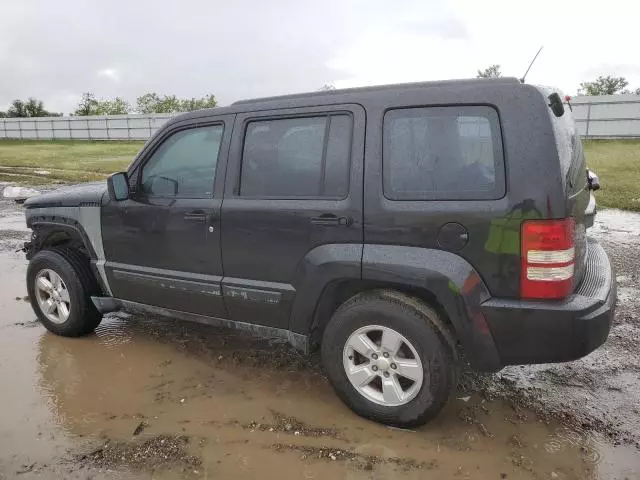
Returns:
point(60, 284)
point(388, 360)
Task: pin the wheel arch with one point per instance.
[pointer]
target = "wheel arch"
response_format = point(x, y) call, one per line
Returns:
point(49, 234)
point(339, 291)
point(442, 280)
point(71, 227)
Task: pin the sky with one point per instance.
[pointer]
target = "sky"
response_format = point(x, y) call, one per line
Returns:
point(55, 50)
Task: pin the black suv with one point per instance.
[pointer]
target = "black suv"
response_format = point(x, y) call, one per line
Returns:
point(401, 228)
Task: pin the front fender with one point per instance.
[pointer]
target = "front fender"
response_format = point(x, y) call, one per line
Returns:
point(456, 285)
point(84, 222)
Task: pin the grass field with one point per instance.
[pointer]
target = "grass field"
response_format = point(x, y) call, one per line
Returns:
point(66, 161)
point(617, 162)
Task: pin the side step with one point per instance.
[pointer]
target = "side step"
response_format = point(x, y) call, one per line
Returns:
point(105, 304)
point(299, 341)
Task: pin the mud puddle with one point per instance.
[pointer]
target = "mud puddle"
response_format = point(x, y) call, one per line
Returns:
point(153, 398)
point(601, 392)
point(220, 405)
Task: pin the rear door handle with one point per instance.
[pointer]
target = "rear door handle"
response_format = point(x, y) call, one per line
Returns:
point(330, 220)
point(197, 216)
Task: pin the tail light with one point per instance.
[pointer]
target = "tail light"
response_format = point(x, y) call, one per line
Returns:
point(547, 255)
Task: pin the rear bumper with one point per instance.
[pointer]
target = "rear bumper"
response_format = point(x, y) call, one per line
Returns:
point(528, 332)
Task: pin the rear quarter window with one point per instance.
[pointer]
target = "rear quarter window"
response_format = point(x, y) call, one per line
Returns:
point(443, 153)
point(570, 153)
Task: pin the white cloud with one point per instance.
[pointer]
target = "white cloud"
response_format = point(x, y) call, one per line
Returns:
point(250, 48)
point(463, 36)
point(110, 73)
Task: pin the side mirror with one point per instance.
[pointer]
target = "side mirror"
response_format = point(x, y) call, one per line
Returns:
point(118, 185)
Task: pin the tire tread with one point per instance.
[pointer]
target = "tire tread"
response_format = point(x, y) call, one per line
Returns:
point(413, 307)
point(87, 318)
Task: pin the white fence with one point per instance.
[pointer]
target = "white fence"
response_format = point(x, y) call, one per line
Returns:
point(113, 127)
point(607, 116)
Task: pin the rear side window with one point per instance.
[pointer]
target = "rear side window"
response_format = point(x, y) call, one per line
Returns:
point(297, 157)
point(443, 153)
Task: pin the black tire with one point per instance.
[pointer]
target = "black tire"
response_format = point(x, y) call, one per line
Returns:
point(73, 267)
point(420, 325)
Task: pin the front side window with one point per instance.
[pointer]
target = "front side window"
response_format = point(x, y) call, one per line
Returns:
point(297, 157)
point(185, 164)
point(443, 153)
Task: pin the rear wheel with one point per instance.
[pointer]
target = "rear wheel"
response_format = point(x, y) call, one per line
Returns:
point(388, 360)
point(60, 285)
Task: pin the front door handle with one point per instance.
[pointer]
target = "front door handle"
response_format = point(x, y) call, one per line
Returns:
point(331, 220)
point(197, 216)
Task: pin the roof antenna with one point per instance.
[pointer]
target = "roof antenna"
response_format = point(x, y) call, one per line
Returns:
point(534, 59)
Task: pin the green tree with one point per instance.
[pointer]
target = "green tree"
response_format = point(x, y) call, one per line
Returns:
point(35, 108)
point(3, 114)
point(117, 106)
point(17, 109)
point(602, 85)
point(492, 71)
point(153, 103)
point(189, 105)
point(88, 105)
point(30, 108)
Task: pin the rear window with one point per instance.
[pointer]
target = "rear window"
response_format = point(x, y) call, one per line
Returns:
point(443, 153)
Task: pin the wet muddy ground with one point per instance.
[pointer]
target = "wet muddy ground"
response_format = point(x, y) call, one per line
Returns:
point(147, 397)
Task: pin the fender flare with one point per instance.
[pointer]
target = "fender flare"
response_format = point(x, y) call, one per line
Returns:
point(43, 228)
point(322, 266)
point(454, 283)
point(82, 221)
point(450, 279)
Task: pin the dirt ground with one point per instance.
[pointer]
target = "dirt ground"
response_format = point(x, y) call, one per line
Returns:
point(147, 397)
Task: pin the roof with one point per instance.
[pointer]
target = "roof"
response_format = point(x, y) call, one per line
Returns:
point(339, 95)
point(383, 88)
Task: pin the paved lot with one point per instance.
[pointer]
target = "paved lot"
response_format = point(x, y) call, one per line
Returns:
point(153, 398)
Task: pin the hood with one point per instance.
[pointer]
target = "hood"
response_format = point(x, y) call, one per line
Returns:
point(74, 196)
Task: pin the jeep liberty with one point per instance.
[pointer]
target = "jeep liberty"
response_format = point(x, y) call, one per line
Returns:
point(403, 229)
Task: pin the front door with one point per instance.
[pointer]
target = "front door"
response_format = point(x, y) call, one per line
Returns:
point(162, 245)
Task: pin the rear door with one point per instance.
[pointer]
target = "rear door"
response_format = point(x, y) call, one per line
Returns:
point(435, 179)
point(294, 184)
